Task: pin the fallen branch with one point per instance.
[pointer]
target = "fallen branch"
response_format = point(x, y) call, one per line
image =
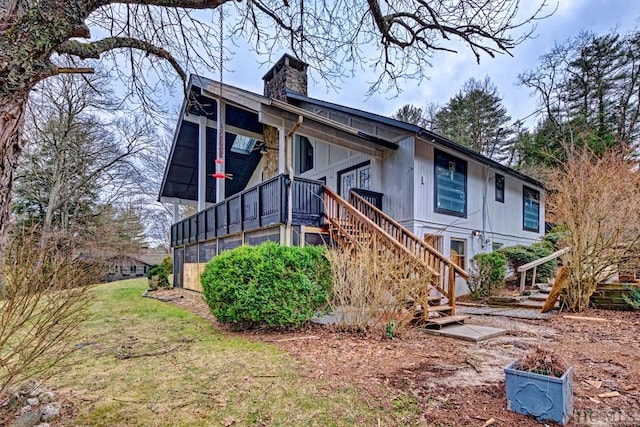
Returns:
point(123, 356)
point(308, 337)
point(489, 422)
point(590, 319)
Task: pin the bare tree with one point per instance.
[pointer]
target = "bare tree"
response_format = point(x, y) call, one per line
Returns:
point(42, 305)
point(170, 33)
point(78, 157)
point(595, 199)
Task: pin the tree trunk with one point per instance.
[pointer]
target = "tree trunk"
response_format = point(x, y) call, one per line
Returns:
point(12, 109)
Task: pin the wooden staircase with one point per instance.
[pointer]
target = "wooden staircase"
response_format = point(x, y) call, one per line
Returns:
point(358, 223)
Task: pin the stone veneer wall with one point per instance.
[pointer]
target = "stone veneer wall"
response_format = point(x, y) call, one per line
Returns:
point(270, 158)
point(286, 76)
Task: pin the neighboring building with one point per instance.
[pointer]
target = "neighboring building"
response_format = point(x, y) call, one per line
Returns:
point(458, 201)
point(130, 266)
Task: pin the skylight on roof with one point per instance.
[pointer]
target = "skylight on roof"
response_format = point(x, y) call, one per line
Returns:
point(243, 144)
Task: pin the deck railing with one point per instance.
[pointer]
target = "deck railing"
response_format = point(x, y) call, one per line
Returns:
point(361, 217)
point(260, 206)
point(534, 265)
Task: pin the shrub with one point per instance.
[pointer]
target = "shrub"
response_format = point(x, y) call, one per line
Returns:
point(45, 296)
point(267, 285)
point(520, 255)
point(633, 299)
point(158, 277)
point(486, 273)
point(373, 286)
point(167, 264)
point(554, 237)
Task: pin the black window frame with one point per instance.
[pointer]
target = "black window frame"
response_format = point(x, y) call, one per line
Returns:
point(498, 190)
point(305, 154)
point(350, 169)
point(458, 162)
point(533, 194)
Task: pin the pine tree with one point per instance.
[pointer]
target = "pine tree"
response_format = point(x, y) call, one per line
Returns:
point(476, 118)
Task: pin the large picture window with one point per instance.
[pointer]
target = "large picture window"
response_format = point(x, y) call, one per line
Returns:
point(450, 184)
point(530, 209)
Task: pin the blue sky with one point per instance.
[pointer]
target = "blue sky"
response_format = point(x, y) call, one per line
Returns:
point(451, 70)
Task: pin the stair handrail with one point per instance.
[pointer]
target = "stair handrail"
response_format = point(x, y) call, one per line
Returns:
point(534, 264)
point(352, 210)
point(460, 271)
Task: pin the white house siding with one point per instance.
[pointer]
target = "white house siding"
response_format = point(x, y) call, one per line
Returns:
point(329, 159)
point(503, 220)
point(398, 182)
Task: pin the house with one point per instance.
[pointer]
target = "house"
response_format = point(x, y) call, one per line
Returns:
point(129, 266)
point(300, 169)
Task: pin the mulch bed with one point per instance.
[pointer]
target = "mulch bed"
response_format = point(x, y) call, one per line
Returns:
point(459, 383)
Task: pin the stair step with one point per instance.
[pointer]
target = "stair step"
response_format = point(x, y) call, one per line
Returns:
point(538, 297)
point(434, 308)
point(439, 322)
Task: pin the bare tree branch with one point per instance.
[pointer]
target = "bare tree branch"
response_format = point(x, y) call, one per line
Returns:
point(95, 49)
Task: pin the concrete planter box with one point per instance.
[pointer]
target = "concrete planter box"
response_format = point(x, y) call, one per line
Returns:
point(544, 397)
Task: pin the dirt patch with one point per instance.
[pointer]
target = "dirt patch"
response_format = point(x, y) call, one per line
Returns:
point(458, 383)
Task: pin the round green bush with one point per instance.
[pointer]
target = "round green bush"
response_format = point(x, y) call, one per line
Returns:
point(520, 255)
point(486, 273)
point(157, 276)
point(267, 285)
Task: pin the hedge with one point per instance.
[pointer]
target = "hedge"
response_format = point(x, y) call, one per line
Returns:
point(267, 285)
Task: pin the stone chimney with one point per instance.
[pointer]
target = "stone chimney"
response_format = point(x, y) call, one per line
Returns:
point(287, 73)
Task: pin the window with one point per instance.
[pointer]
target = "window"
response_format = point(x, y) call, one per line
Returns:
point(495, 246)
point(499, 188)
point(243, 144)
point(433, 240)
point(304, 154)
point(133, 270)
point(458, 252)
point(358, 176)
point(530, 209)
point(450, 185)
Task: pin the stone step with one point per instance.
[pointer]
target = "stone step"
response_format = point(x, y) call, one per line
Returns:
point(534, 304)
point(540, 296)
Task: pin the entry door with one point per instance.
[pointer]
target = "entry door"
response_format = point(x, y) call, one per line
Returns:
point(355, 178)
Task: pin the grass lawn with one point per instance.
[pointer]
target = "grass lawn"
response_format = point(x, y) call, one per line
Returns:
point(142, 362)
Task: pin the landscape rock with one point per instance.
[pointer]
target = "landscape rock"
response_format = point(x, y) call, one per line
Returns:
point(25, 409)
point(43, 425)
point(50, 411)
point(29, 419)
point(46, 397)
point(36, 391)
point(27, 386)
point(33, 401)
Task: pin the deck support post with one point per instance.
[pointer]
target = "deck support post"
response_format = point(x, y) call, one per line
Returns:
point(202, 163)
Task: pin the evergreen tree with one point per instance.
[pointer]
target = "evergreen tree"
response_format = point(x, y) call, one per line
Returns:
point(410, 114)
point(589, 93)
point(476, 118)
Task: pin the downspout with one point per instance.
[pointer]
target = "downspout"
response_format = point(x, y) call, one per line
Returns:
point(289, 168)
point(483, 237)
